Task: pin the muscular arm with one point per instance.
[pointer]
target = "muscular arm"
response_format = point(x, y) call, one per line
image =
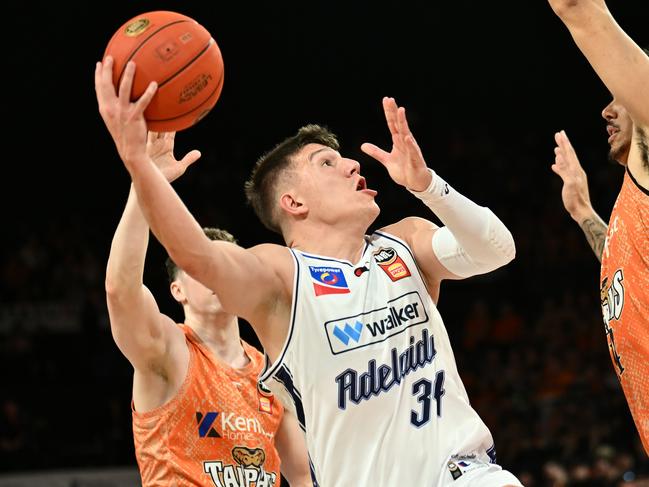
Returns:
point(140, 331)
point(473, 241)
point(251, 283)
point(616, 58)
point(575, 195)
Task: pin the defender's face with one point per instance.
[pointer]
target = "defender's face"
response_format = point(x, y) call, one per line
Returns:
point(199, 298)
point(332, 186)
point(620, 130)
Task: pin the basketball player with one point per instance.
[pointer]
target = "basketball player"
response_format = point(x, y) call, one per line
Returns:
point(349, 321)
point(199, 415)
point(624, 285)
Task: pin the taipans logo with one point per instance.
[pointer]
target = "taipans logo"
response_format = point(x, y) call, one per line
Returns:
point(391, 263)
point(328, 280)
point(247, 472)
point(612, 299)
point(361, 330)
point(232, 426)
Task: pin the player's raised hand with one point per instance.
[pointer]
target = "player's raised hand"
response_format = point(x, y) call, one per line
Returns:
point(405, 162)
point(123, 118)
point(574, 193)
point(160, 147)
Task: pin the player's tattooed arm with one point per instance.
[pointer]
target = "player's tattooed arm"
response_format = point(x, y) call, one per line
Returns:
point(595, 230)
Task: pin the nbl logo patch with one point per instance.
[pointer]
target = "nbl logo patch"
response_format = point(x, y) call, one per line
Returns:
point(391, 263)
point(328, 280)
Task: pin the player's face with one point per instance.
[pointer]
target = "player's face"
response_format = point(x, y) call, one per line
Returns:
point(332, 186)
point(620, 130)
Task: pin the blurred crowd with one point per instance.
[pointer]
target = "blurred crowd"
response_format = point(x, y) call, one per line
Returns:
point(529, 338)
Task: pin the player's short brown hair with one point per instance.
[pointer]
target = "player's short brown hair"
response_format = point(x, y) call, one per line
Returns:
point(212, 234)
point(261, 188)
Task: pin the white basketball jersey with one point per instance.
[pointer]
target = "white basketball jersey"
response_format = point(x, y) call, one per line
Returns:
point(370, 373)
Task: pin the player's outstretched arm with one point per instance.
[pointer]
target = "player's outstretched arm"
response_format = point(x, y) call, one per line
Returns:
point(619, 62)
point(575, 196)
point(291, 446)
point(473, 240)
point(142, 333)
point(246, 281)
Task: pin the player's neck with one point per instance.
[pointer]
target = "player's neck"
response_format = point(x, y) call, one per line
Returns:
point(221, 337)
point(339, 241)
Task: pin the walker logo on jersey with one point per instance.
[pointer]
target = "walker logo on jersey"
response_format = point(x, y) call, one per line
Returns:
point(232, 426)
point(205, 423)
point(349, 332)
point(328, 280)
point(247, 472)
point(391, 263)
point(346, 334)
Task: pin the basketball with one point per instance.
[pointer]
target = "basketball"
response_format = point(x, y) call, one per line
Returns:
point(181, 56)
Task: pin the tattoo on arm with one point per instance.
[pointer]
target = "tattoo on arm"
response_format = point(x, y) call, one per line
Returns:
point(595, 231)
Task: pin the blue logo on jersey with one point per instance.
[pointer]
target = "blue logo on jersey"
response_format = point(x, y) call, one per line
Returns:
point(349, 332)
point(400, 314)
point(328, 280)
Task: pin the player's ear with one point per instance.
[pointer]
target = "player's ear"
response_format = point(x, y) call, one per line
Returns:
point(291, 204)
point(177, 291)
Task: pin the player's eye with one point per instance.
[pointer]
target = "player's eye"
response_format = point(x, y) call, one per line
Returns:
point(327, 162)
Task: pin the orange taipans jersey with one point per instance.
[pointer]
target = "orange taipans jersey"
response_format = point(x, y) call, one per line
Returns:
point(625, 298)
point(217, 430)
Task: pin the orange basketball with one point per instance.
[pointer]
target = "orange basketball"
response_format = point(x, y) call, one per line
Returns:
point(181, 56)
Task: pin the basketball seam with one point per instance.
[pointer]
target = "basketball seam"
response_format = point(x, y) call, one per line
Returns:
point(188, 64)
point(220, 84)
point(134, 52)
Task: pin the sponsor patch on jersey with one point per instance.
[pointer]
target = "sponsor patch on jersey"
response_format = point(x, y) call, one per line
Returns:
point(388, 259)
point(266, 404)
point(356, 331)
point(328, 280)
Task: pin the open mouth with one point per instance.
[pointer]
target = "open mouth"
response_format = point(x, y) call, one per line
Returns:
point(361, 185)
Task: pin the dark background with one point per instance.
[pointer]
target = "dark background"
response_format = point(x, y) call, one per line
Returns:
point(486, 85)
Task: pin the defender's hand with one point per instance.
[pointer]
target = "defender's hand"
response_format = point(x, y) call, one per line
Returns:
point(405, 163)
point(574, 193)
point(160, 147)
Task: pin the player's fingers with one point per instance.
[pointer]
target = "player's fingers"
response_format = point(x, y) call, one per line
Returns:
point(375, 152)
point(402, 120)
point(191, 158)
point(104, 80)
point(126, 84)
point(146, 97)
point(390, 110)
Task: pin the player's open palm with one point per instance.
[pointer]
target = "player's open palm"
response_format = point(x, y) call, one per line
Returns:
point(123, 118)
point(160, 147)
point(405, 162)
point(574, 193)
